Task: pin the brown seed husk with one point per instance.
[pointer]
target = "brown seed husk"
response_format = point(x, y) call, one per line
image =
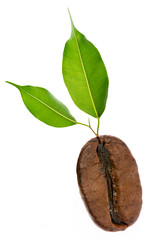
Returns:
point(92, 180)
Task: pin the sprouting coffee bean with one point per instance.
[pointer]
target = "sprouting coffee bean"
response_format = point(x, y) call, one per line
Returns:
point(109, 183)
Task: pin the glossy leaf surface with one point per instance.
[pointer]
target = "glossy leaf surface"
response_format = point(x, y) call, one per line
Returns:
point(85, 74)
point(44, 106)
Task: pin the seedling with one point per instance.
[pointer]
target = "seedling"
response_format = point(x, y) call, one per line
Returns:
point(106, 169)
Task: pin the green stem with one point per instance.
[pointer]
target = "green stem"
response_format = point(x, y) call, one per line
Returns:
point(88, 127)
point(98, 126)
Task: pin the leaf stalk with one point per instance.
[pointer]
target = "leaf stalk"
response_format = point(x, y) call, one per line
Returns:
point(98, 126)
point(89, 126)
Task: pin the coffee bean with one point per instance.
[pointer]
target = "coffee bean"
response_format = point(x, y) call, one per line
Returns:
point(109, 183)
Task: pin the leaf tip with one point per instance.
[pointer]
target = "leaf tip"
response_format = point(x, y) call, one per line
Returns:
point(7, 82)
point(15, 85)
point(72, 24)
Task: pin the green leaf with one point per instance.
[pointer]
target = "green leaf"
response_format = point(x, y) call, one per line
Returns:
point(44, 106)
point(85, 74)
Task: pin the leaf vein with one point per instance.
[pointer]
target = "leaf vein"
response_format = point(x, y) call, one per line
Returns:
point(47, 105)
point(84, 71)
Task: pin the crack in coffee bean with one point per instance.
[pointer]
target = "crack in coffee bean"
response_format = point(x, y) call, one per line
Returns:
point(104, 157)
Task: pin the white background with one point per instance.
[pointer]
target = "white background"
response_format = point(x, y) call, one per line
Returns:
point(39, 195)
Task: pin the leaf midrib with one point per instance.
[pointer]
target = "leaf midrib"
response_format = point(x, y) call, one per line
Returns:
point(46, 105)
point(84, 71)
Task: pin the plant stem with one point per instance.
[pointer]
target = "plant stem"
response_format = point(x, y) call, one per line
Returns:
point(89, 126)
point(98, 126)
